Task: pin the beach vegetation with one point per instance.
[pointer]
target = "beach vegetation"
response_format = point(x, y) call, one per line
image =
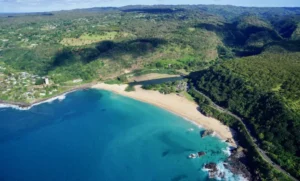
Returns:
point(130, 88)
point(112, 81)
point(168, 87)
point(122, 78)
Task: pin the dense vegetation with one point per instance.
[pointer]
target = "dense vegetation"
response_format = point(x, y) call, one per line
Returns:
point(264, 90)
point(245, 59)
point(86, 44)
point(168, 87)
point(255, 163)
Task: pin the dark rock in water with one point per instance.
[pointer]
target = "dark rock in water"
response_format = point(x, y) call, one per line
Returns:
point(207, 133)
point(192, 156)
point(238, 152)
point(229, 140)
point(213, 171)
point(236, 163)
point(226, 165)
point(221, 175)
point(211, 166)
point(201, 153)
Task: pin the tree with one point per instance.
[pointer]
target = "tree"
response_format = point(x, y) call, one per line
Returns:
point(39, 81)
point(261, 136)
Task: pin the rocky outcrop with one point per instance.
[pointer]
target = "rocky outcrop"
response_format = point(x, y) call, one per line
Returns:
point(201, 153)
point(235, 163)
point(211, 166)
point(213, 171)
point(207, 133)
point(196, 155)
point(229, 140)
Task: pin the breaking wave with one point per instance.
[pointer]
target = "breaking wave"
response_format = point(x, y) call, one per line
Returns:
point(227, 151)
point(225, 174)
point(193, 122)
point(59, 98)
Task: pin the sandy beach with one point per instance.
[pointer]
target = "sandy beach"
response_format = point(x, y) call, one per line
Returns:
point(173, 103)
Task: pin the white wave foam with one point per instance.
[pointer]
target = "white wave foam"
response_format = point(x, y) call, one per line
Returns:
point(14, 107)
point(205, 169)
point(3, 106)
point(228, 175)
point(215, 134)
point(227, 151)
point(225, 174)
point(193, 122)
point(59, 98)
point(191, 129)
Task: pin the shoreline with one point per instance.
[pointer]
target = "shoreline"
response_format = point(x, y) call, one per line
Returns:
point(24, 105)
point(175, 104)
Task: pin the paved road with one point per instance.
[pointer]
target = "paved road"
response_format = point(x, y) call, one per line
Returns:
point(260, 151)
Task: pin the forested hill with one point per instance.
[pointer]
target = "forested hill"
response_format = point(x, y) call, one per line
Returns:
point(246, 59)
point(265, 91)
point(194, 36)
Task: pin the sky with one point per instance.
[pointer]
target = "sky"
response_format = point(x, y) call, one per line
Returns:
point(52, 5)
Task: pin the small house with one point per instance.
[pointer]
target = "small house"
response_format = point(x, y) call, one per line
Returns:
point(46, 81)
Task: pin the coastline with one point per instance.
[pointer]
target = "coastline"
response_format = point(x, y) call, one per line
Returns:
point(40, 101)
point(171, 102)
point(175, 104)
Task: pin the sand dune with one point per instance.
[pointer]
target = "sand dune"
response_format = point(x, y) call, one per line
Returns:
point(174, 103)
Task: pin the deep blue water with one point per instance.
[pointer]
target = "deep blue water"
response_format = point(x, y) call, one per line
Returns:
point(97, 135)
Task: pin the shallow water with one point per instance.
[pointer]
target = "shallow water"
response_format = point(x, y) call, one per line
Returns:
point(98, 135)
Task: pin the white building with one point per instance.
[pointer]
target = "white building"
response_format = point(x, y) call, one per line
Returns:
point(46, 81)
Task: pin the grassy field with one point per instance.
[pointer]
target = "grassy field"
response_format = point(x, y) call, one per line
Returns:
point(86, 39)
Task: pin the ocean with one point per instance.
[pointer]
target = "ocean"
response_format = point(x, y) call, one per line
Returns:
point(95, 135)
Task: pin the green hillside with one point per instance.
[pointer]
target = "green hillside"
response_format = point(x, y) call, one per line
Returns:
point(265, 90)
point(245, 59)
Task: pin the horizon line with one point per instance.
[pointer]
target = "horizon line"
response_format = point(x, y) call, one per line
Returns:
point(149, 6)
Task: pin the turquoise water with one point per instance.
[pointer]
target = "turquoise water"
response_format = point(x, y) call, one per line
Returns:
point(97, 135)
